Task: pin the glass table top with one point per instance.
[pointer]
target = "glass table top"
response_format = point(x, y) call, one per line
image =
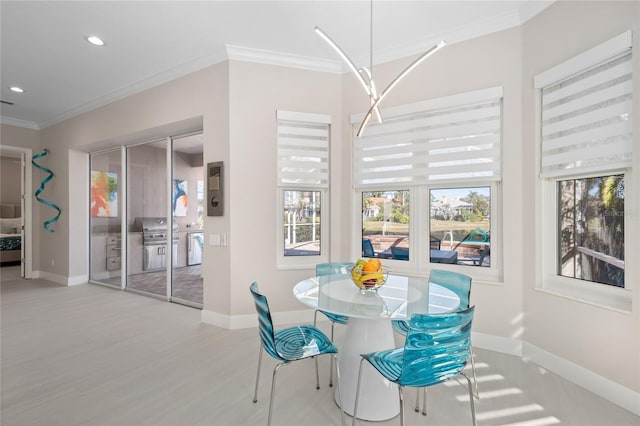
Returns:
point(399, 298)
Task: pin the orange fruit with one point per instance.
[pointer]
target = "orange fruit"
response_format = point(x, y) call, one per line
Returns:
point(371, 266)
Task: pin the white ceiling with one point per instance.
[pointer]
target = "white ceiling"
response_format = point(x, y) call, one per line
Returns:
point(147, 43)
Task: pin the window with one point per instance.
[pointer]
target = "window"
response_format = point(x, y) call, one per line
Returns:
point(385, 224)
point(586, 154)
point(436, 153)
point(460, 226)
point(591, 229)
point(302, 223)
point(303, 182)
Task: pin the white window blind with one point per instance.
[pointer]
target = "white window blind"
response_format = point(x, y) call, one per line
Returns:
point(303, 150)
point(445, 140)
point(586, 116)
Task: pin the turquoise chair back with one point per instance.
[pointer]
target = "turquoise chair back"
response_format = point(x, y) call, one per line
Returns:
point(333, 268)
point(265, 324)
point(436, 348)
point(460, 284)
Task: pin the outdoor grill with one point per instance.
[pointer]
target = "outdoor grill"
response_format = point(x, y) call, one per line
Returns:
point(154, 241)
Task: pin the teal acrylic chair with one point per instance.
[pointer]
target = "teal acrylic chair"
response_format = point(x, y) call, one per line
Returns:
point(436, 350)
point(460, 284)
point(288, 345)
point(332, 269)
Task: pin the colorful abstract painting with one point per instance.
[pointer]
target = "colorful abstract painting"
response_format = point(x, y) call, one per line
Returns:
point(180, 199)
point(104, 194)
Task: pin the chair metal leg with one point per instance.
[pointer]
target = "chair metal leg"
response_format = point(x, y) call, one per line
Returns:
point(476, 394)
point(339, 388)
point(317, 374)
point(400, 394)
point(424, 401)
point(331, 365)
point(471, 398)
point(355, 404)
point(273, 388)
point(417, 400)
point(255, 394)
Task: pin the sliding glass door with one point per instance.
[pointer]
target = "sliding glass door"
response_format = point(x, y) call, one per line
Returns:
point(163, 218)
point(148, 233)
point(187, 206)
point(106, 217)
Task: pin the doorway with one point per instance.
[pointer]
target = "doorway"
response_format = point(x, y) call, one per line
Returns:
point(157, 221)
point(15, 210)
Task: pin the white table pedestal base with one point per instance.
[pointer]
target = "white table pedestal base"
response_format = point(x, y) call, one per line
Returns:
point(378, 397)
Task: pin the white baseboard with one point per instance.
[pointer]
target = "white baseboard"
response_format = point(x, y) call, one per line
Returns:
point(61, 279)
point(251, 320)
point(607, 389)
point(50, 276)
point(77, 280)
point(500, 344)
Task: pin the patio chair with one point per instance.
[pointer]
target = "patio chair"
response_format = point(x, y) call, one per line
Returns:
point(288, 345)
point(460, 284)
point(436, 350)
point(331, 269)
point(367, 249)
point(399, 253)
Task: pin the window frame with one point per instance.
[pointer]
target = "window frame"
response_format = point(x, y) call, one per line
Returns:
point(547, 278)
point(304, 262)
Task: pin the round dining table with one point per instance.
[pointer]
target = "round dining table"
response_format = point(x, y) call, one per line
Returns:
point(369, 330)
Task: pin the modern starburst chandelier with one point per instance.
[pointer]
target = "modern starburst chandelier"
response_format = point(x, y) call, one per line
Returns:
point(365, 75)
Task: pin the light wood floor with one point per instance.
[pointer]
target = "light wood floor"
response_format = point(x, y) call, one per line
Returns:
point(91, 355)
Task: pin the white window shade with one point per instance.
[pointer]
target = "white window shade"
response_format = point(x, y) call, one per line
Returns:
point(303, 150)
point(447, 140)
point(586, 116)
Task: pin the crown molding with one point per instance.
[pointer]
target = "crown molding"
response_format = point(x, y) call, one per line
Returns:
point(271, 57)
point(20, 123)
point(141, 85)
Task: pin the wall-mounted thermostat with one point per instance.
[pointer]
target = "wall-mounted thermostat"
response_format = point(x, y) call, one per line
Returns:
point(215, 201)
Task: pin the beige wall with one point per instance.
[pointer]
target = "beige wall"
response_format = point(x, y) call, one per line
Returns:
point(596, 338)
point(10, 170)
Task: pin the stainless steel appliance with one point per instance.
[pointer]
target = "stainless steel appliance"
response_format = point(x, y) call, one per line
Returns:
point(154, 241)
point(195, 244)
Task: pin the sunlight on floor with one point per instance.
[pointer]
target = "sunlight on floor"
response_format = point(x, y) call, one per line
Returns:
point(505, 412)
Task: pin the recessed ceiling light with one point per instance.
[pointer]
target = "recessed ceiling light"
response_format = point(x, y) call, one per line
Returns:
point(95, 40)
point(16, 89)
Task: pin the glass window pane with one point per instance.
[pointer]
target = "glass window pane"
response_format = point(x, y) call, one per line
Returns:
point(385, 224)
point(460, 226)
point(591, 229)
point(302, 223)
point(106, 217)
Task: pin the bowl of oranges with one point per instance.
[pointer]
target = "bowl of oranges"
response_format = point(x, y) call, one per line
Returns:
point(369, 274)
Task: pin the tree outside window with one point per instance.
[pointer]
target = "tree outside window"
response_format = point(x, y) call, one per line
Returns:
point(591, 229)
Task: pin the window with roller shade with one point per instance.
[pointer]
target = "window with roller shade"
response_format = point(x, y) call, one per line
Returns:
point(303, 182)
point(432, 148)
point(586, 153)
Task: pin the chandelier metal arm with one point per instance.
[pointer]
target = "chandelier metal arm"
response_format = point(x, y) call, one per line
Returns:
point(368, 87)
point(395, 81)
